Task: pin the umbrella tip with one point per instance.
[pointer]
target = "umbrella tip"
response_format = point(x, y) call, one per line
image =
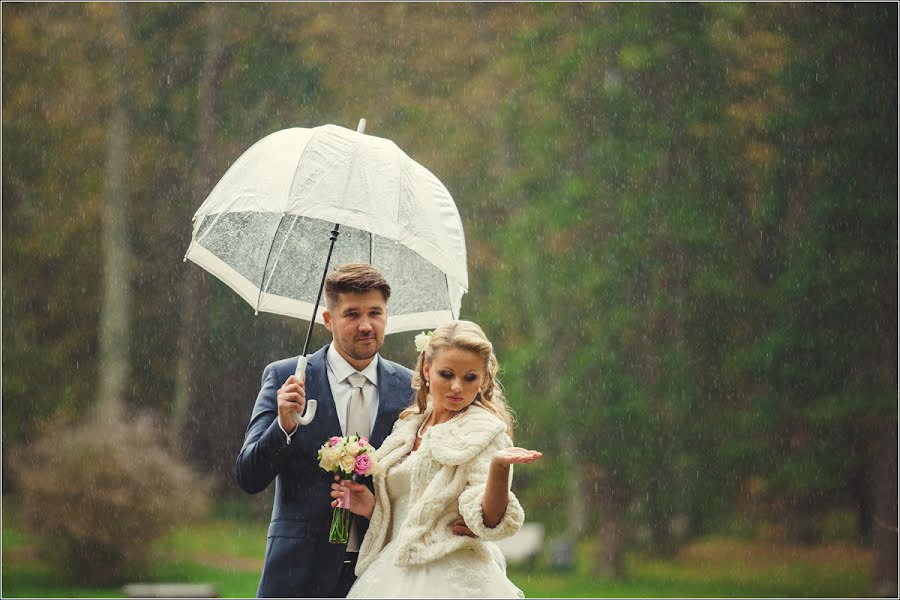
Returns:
point(361, 128)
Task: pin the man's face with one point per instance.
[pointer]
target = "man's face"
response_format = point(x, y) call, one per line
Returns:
point(356, 323)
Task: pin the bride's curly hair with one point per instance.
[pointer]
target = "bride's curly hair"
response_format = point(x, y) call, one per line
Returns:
point(464, 335)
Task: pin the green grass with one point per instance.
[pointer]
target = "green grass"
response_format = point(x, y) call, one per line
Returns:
point(241, 539)
point(721, 567)
point(667, 579)
point(38, 581)
point(228, 553)
point(224, 553)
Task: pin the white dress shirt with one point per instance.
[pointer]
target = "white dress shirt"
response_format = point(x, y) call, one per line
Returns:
point(338, 371)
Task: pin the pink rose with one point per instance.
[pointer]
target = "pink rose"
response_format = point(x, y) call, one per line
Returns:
point(363, 464)
point(334, 441)
point(363, 441)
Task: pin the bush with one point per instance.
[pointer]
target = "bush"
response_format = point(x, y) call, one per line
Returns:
point(98, 495)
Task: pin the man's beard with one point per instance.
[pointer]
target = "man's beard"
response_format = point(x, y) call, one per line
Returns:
point(364, 354)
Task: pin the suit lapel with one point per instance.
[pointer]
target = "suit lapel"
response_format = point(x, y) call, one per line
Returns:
point(319, 389)
point(394, 394)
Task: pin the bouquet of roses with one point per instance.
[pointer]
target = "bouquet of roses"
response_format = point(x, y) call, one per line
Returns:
point(350, 457)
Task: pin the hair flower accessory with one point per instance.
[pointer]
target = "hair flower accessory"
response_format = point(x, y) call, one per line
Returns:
point(422, 340)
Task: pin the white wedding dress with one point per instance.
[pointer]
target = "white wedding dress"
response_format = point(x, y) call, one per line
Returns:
point(458, 575)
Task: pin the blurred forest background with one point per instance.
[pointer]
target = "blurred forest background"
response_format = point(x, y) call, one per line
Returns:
point(681, 222)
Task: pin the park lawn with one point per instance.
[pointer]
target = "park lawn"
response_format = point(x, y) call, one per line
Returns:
point(37, 581)
point(228, 553)
point(225, 553)
point(716, 568)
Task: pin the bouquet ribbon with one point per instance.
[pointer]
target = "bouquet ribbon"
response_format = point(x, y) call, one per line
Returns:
point(344, 501)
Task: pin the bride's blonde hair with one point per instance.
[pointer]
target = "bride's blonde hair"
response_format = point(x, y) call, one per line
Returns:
point(464, 335)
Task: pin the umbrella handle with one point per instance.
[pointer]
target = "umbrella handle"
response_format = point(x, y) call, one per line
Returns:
point(310, 413)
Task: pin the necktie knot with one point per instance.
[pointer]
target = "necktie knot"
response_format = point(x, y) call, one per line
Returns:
point(357, 380)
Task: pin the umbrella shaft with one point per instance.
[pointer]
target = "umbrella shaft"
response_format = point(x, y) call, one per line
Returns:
point(312, 321)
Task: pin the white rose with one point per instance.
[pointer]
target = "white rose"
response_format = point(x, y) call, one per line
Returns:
point(347, 463)
point(421, 341)
point(326, 459)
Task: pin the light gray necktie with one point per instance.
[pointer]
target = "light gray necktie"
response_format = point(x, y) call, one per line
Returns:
point(358, 410)
point(357, 422)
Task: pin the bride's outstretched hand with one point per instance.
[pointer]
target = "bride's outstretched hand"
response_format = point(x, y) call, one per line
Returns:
point(515, 455)
point(496, 493)
point(358, 499)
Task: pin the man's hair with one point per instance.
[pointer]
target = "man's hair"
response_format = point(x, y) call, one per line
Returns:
point(354, 278)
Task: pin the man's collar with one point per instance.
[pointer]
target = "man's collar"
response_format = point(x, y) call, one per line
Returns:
point(341, 368)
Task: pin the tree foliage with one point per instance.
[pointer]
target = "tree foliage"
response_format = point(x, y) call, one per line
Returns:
point(681, 225)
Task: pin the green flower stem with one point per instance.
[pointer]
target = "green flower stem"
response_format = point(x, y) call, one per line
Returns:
point(340, 526)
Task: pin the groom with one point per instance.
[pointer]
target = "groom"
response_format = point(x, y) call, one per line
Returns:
point(299, 561)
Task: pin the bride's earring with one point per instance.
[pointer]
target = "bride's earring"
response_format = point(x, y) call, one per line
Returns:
point(427, 383)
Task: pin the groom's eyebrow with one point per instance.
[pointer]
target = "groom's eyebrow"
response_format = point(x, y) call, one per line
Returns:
point(353, 308)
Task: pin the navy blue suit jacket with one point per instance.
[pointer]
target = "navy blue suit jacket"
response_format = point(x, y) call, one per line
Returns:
point(300, 562)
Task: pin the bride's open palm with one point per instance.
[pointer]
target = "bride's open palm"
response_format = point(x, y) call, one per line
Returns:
point(514, 455)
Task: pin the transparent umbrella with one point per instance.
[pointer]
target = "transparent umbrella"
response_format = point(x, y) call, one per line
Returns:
point(301, 199)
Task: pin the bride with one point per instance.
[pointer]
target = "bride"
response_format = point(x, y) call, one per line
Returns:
point(449, 454)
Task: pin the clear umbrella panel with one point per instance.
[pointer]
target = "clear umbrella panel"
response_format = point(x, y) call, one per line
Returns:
point(281, 277)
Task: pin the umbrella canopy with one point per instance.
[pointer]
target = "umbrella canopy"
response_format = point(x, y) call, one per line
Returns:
point(264, 229)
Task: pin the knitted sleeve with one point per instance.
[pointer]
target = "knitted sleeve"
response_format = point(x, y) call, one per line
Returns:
point(472, 497)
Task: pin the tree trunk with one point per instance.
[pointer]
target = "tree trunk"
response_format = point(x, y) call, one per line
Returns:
point(577, 512)
point(884, 530)
point(609, 559)
point(192, 390)
point(659, 515)
point(114, 315)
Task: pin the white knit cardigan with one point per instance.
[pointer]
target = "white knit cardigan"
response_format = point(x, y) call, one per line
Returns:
point(449, 481)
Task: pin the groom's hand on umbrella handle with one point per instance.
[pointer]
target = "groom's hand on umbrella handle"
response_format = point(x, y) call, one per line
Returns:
point(291, 399)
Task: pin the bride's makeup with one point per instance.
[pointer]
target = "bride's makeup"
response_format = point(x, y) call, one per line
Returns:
point(455, 377)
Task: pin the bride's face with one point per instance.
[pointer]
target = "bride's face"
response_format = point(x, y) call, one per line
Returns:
point(455, 377)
